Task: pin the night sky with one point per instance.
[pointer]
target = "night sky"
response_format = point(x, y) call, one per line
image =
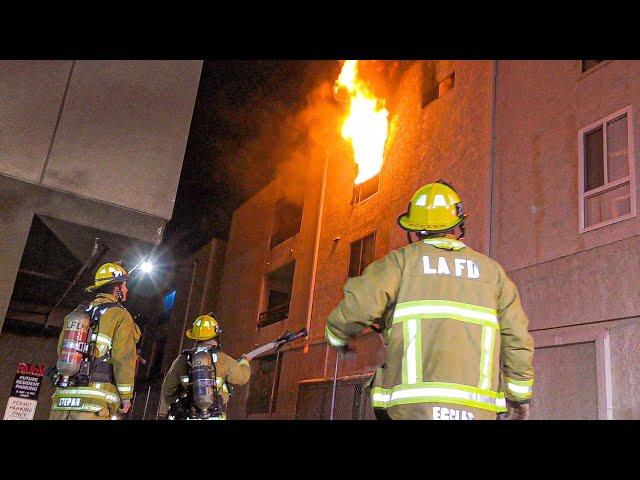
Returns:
point(238, 116)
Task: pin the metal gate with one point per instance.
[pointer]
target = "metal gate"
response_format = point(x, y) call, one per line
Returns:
point(351, 401)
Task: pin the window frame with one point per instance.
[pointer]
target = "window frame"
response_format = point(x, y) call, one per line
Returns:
point(596, 334)
point(361, 240)
point(595, 68)
point(631, 178)
point(357, 198)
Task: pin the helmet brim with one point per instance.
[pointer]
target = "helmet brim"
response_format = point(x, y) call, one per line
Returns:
point(190, 335)
point(403, 221)
point(405, 224)
point(123, 278)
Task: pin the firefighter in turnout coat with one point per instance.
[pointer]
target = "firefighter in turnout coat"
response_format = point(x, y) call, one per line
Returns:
point(178, 385)
point(109, 388)
point(456, 335)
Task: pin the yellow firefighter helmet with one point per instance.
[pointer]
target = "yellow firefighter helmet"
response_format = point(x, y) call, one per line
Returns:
point(205, 327)
point(434, 208)
point(109, 273)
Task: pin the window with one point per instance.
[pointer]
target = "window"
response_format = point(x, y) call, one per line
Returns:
point(277, 295)
point(264, 380)
point(158, 357)
point(287, 220)
point(167, 306)
point(589, 64)
point(435, 82)
point(607, 184)
point(362, 254)
point(365, 189)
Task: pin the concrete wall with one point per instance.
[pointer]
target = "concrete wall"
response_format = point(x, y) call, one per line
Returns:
point(20, 201)
point(565, 277)
point(95, 143)
point(113, 131)
point(541, 106)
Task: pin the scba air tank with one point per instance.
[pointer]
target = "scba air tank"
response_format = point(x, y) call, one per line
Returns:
point(203, 379)
point(74, 343)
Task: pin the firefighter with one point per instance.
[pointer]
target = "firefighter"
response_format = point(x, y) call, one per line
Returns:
point(196, 385)
point(106, 387)
point(457, 344)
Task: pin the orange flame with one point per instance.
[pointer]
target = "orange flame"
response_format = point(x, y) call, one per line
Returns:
point(366, 124)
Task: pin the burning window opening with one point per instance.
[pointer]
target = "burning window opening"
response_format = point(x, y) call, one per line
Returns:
point(366, 124)
point(365, 189)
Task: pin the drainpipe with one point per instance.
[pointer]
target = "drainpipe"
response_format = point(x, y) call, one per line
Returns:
point(194, 265)
point(492, 154)
point(316, 247)
point(207, 276)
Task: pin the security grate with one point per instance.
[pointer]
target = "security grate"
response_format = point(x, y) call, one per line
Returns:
point(351, 400)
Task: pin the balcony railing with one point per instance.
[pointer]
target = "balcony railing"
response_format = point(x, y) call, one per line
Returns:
point(273, 315)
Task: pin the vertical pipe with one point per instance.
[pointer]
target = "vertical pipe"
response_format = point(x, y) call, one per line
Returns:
point(335, 384)
point(492, 154)
point(276, 374)
point(607, 376)
point(207, 279)
point(316, 247)
point(194, 265)
point(133, 405)
point(144, 413)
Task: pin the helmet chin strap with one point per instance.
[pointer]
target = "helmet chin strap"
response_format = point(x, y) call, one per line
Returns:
point(462, 230)
point(409, 239)
point(119, 293)
point(462, 233)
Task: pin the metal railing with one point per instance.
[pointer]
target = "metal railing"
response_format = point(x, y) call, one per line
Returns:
point(273, 315)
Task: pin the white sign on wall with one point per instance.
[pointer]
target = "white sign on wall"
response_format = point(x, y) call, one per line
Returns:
point(20, 409)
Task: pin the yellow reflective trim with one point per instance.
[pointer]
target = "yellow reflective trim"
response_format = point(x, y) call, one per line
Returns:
point(448, 243)
point(526, 383)
point(487, 343)
point(86, 392)
point(444, 309)
point(86, 408)
point(439, 392)
point(334, 340)
point(104, 339)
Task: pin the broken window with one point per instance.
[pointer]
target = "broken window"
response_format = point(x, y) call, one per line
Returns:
point(607, 186)
point(362, 254)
